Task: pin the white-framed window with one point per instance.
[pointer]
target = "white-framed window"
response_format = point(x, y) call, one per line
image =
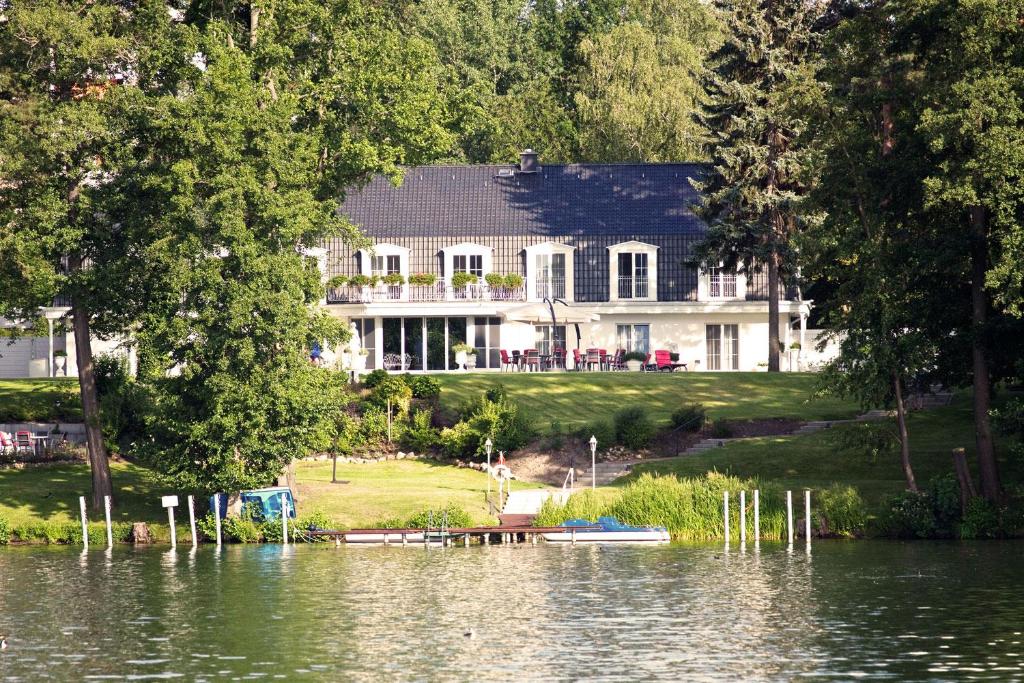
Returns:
point(549, 271)
point(721, 283)
point(468, 263)
point(386, 264)
point(634, 337)
point(633, 268)
point(723, 347)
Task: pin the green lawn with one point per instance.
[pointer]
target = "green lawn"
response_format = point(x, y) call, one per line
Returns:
point(43, 400)
point(577, 398)
point(374, 492)
point(816, 460)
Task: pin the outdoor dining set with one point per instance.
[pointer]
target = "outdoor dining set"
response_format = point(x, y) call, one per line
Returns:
point(593, 359)
point(28, 442)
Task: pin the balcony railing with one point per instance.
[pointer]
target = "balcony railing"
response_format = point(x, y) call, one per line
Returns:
point(550, 288)
point(422, 294)
point(632, 287)
point(722, 287)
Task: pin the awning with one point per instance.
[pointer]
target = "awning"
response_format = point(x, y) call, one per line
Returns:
point(540, 313)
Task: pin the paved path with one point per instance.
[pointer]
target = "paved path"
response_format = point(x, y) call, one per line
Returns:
point(608, 472)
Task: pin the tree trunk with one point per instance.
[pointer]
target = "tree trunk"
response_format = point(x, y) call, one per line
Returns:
point(98, 463)
point(901, 423)
point(773, 312)
point(987, 467)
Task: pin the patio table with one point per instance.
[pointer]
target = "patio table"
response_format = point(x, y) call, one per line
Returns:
point(37, 440)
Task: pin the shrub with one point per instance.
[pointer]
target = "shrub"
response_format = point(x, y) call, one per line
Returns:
point(720, 429)
point(980, 520)
point(463, 348)
point(841, 511)
point(374, 377)
point(242, 529)
point(394, 389)
point(457, 517)
point(363, 280)
point(909, 515)
point(393, 279)
point(602, 430)
point(635, 355)
point(373, 427)
point(337, 282)
point(633, 427)
point(456, 440)
point(689, 418)
point(493, 416)
point(423, 386)
point(5, 531)
point(944, 493)
point(494, 280)
point(422, 279)
point(420, 435)
point(514, 280)
point(555, 434)
point(460, 280)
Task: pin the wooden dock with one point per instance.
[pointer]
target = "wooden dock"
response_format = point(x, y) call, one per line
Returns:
point(483, 535)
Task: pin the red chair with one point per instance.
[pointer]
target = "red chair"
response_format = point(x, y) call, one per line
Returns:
point(663, 362)
point(577, 360)
point(603, 353)
point(23, 442)
point(533, 359)
point(618, 361)
point(593, 359)
point(505, 360)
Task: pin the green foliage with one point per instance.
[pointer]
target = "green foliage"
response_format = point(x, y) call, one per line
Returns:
point(602, 430)
point(393, 279)
point(691, 509)
point(123, 401)
point(361, 280)
point(456, 516)
point(494, 280)
point(423, 386)
point(420, 435)
point(462, 279)
point(423, 279)
point(633, 427)
point(242, 529)
point(872, 438)
point(513, 280)
point(720, 429)
point(373, 426)
point(394, 389)
point(493, 416)
point(462, 347)
point(375, 377)
point(5, 531)
point(909, 515)
point(337, 282)
point(690, 418)
point(980, 520)
point(944, 494)
point(841, 510)
point(635, 355)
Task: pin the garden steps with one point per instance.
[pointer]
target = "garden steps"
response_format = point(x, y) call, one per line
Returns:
point(529, 501)
point(607, 472)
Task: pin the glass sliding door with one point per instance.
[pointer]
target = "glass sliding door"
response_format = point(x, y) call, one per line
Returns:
point(486, 332)
point(365, 328)
point(436, 344)
point(414, 342)
point(723, 347)
point(456, 335)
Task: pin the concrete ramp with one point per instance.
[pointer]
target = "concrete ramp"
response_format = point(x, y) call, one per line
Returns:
point(528, 501)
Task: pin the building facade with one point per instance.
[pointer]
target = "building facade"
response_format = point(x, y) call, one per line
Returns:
point(608, 245)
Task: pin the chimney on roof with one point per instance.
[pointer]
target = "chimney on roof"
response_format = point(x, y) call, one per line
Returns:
point(528, 161)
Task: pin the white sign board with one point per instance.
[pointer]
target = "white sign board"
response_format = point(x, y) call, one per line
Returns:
point(170, 501)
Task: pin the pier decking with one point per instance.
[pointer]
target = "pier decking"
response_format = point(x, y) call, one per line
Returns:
point(484, 535)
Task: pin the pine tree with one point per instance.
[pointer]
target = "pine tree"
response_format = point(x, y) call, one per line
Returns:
point(756, 194)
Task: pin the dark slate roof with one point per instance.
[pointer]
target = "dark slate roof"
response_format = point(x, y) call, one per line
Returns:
point(574, 199)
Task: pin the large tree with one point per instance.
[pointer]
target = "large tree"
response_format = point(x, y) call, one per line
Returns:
point(755, 201)
point(65, 70)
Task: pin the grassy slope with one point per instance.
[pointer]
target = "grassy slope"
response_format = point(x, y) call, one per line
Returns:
point(577, 398)
point(39, 399)
point(815, 461)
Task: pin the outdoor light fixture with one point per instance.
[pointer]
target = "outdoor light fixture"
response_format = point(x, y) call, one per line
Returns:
point(488, 445)
point(593, 461)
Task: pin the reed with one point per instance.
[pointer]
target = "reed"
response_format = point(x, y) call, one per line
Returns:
point(691, 509)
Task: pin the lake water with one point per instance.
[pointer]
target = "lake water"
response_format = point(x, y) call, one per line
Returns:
point(876, 610)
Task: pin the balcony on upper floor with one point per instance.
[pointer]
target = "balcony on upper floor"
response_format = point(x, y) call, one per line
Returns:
point(440, 292)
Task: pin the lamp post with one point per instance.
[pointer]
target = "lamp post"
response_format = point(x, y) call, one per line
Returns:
point(488, 446)
point(593, 461)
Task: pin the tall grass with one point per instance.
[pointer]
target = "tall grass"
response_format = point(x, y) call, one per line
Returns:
point(691, 509)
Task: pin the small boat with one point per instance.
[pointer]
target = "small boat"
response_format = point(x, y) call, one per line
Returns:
point(607, 530)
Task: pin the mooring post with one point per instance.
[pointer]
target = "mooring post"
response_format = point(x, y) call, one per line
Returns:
point(757, 516)
point(807, 515)
point(467, 540)
point(533, 539)
point(284, 518)
point(574, 536)
point(405, 540)
point(725, 514)
point(789, 516)
point(487, 539)
point(192, 520)
point(85, 521)
point(216, 515)
point(106, 514)
point(743, 517)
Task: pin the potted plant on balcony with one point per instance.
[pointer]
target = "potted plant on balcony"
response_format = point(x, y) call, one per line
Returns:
point(337, 282)
point(634, 360)
point(394, 279)
point(513, 280)
point(423, 279)
point(461, 280)
point(363, 280)
point(463, 352)
point(494, 280)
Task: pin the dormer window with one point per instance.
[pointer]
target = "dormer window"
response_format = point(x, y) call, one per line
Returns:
point(387, 265)
point(549, 271)
point(381, 261)
point(634, 271)
point(468, 263)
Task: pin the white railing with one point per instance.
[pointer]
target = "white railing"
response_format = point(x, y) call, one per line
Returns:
point(550, 288)
point(440, 291)
point(632, 287)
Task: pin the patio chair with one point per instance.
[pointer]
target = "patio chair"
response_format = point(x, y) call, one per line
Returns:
point(533, 359)
point(518, 359)
point(6, 443)
point(617, 362)
point(23, 442)
point(605, 363)
point(593, 359)
point(506, 362)
point(663, 362)
point(577, 360)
